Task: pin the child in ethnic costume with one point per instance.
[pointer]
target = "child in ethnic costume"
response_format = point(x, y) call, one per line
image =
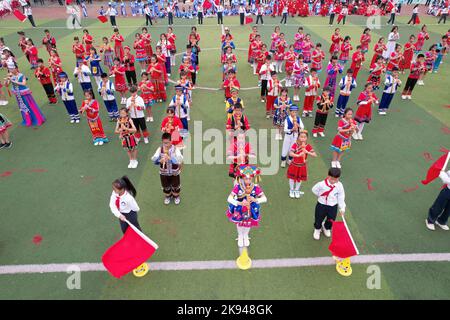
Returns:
point(281, 105)
point(181, 105)
point(244, 203)
point(82, 73)
point(312, 84)
point(408, 54)
point(136, 108)
point(78, 50)
point(91, 108)
point(230, 82)
point(42, 73)
point(65, 90)
point(32, 53)
point(172, 125)
point(126, 129)
point(298, 171)
point(239, 153)
point(232, 101)
point(5, 142)
point(363, 114)
point(357, 60)
point(106, 90)
point(49, 41)
point(336, 40)
point(346, 47)
point(141, 53)
point(417, 68)
point(55, 65)
point(87, 40)
point(333, 69)
point(346, 85)
point(118, 71)
point(130, 70)
point(273, 90)
point(299, 72)
point(157, 77)
point(343, 140)
point(117, 39)
point(317, 57)
point(148, 94)
point(107, 53)
point(378, 50)
point(292, 125)
point(324, 104)
point(391, 85)
point(290, 58)
point(169, 159)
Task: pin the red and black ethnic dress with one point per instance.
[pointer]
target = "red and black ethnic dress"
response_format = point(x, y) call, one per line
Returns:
point(298, 170)
point(343, 141)
point(128, 139)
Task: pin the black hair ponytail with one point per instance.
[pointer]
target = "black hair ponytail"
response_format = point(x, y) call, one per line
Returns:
point(125, 183)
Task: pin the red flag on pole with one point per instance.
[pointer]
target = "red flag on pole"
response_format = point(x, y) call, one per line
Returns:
point(129, 252)
point(206, 4)
point(102, 19)
point(342, 244)
point(19, 15)
point(436, 167)
point(248, 20)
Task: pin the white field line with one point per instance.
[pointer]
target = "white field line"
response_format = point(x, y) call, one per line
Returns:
point(230, 264)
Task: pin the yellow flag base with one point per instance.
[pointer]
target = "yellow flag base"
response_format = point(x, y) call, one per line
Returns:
point(141, 271)
point(244, 262)
point(343, 267)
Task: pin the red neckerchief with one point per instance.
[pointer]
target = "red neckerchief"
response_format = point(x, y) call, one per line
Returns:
point(118, 202)
point(327, 193)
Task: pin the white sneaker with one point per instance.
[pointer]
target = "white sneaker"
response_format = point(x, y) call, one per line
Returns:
point(292, 194)
point(336, 116)
point(443, 226)
point(96, 143)
point(240, 241)
point(147, 120)
point(151, 119)
point(100, 143)
point(355, 136)
point(135, 165)
point(297, 194)
point(283, 164)
point(77, 121)
point(322, 134)
point(326, 232)
point(409, 97)
point(246, 241)
point(338, 164)
point(166, 200)
point(262, 100)
point(333, 164)
point(403, 97)
point(268, 116)
point(316, 234)
point(382, 113)
point(315, 135)
point(360, 137)
point(177, 200)
point(130, 165)
point(430, 226)
point(145, 140)
point(72, 121)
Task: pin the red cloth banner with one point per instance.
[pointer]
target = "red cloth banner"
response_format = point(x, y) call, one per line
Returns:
point(436, 167)
point(19, 15)
point(342, 244)
point(102, 19)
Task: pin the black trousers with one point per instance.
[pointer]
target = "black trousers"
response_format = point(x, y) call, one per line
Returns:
point(443, 17)
point(169, 16)
point(440, 210)
point(320, 120)
point(332, 15)
point(427, 3)
point(193, 77)
point(410, 84)
point(263, 88)
point(343, 20)
point(113, 21)
point(170, 184)
point(131, 77)
point(148, 20)
point(139, 123)
point(219, 17)
point(30, 17)
point(242, 18)
point(259, 17)
point(413, 18)
point(284, 18)
point(132, 218)
point(323, 211)
point(392, 18)
point(200, 17)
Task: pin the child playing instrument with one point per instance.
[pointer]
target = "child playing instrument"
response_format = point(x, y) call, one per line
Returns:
point(148, 94)
point(289, 58)
point(65, 90)
point(169, 159)
point(94, 60)
point(281, 105)
point(90, 107)
point(42, 73)
point(357, 60)
point(312, 84)
point(107, 53)
point(172, 124)
point(265, 74)
point(130, 69)
point(391, 85)
point(118, 72)
point(363, 114)
point(244, 203)
point(136, 106)
point(230, 82)
point(299, 74)
point(239, 153)
point(126, 129)
point(333, 69)
point(375, 72)
point(5, 142)
point(346, 47)
point(273, 90)
point(181, 105)
point(237, 121)
point(298, 171)
point(346, 85)
point(292, 125)
point(343, 140)
point(324, 104)
point(78, 50)
point(106, 90)
point(417, 68)
point(82, 73)
point(317, 57)
point(331, 197)
point(117, 38)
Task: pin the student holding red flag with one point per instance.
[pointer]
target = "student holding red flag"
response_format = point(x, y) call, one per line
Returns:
point(123, 204)
point(440, 210)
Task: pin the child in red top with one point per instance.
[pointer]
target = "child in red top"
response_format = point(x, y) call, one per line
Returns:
point(147, 94)
point(229, 83)
point(395, 58)
point(421, 37)
point(141, 53)
point(90, 107)
point(317, 57)
point(49, 41)
point(87, 41)
point(118, 71)
point(336, 40)
point(42, 73)
point(22, 42)
point(290, 57)
point(187, 67)
point(378, 50)
point(32, 52)
point(346, 47)
point(408, 54)
point(172, 124)
point(78, 50)
point(255, 48)
point(280, 48)
point(357, 60)
point(55, 64)
point(147, 38)
point(363, 114)
point(156, 73)
point(171, 38)
point(130, 69)
point(417, 67)
point(298, 171)
point(161, 57)
point(365, 40)
point(117, 38)
point(307, 45)
point(251, 38)
point(343, 140)
point(375, 73)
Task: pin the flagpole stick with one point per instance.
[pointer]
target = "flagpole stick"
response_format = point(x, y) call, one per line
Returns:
point(446, 161)
point(143, 236)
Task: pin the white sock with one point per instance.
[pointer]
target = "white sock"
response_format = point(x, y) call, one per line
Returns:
point(254, 67)
point(245, 231)
point(298, 185)
point(291, 184)
point(360, 127)
point(240, 231)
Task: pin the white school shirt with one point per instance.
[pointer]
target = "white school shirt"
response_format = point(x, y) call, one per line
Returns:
point(415, 10)
point(241, 10)
point(111, 12)
point(28, 11)
point(127, 203)
point(84, 76)
point(343, 87)
point(337, 196)
point(109, 92)
point(135, 112)
point(265, 71)
point(285, 9)
point(219, 8)
point(147, 10)
point(389, 86)
point(445, 177)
